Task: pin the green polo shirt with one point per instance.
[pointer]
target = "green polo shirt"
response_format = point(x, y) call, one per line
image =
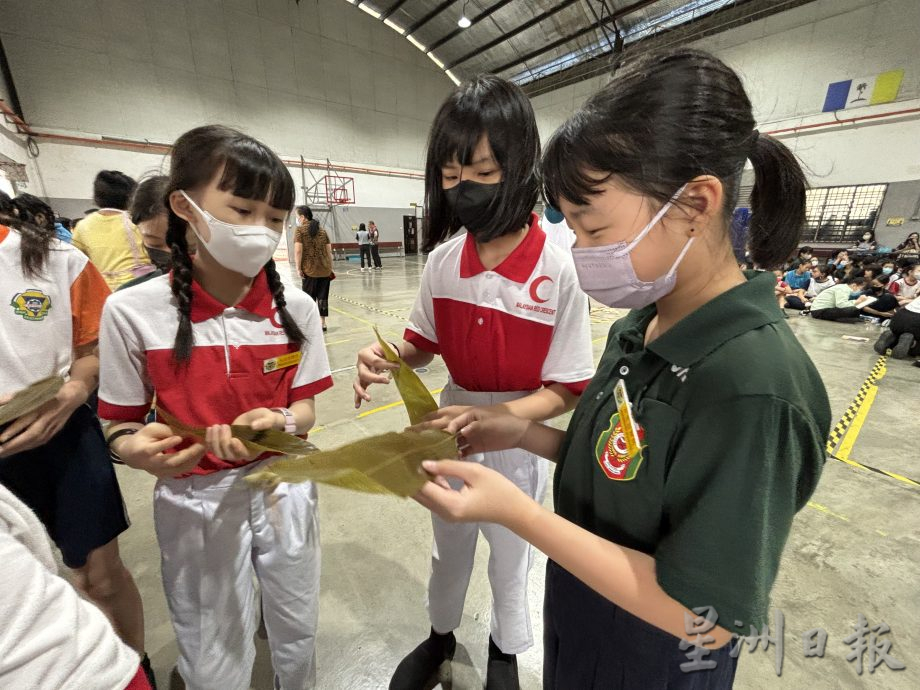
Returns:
point(733, 419)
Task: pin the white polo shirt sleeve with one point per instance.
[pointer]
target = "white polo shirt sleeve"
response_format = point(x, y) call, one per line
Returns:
point(313, 375)
point(570, 360)
point(420, 331)
point(125, 393)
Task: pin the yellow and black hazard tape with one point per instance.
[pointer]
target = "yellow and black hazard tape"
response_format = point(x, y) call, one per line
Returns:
point(845, 431)
point(378, 310)
point(840, 428)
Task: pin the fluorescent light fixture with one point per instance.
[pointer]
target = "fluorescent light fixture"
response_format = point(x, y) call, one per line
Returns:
point(452, 77)
point(434, 59)
point(417, 44)
point(393, 26)
point(374, 13)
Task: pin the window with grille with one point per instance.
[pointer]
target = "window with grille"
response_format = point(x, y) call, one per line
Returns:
point(840, 215)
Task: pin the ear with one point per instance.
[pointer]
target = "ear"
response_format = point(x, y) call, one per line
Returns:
point(702, 203)
point(181, 207)
point(184, 209)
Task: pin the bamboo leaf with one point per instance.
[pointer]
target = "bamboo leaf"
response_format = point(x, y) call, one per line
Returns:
point(419, 402)
point(30, 398)
point(388, 463)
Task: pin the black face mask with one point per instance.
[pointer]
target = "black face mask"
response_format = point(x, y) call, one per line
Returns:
point(161, 258)
point(472, 203)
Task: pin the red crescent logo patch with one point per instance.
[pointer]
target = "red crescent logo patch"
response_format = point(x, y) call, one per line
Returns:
point(535, 285)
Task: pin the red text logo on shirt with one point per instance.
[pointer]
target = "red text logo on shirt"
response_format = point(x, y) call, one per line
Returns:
point(612, 453)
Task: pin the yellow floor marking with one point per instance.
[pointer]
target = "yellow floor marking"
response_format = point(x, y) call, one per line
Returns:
point(391, 405)
point(853, 432)
point(827, 511)
point(352, 316)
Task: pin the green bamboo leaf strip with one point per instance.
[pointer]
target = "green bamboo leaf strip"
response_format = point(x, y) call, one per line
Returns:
point(388, 463)
point(415, 395)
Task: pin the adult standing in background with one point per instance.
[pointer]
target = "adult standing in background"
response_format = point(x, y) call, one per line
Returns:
point(364, 246)
point(313, 256)
point(374, 236)
point(108, 237)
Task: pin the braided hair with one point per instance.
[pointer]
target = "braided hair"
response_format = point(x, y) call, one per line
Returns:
point(291, 329)
point(248, 169)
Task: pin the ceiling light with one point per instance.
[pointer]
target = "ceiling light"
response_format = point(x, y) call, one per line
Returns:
point(464, 21)
point(370, 10)
point(414, 42)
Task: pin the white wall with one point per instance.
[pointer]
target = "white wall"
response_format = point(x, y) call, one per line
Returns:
point(320, 79)
point(787, 60)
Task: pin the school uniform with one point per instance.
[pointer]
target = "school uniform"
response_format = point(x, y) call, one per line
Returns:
point(69, 481)
point(503, 334)
point(729, 453)
point(212, 528)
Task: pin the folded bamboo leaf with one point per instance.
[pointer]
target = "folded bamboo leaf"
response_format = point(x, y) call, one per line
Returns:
point(270, 440)
point(415, 395)
point(30, 398)
point(388, 463)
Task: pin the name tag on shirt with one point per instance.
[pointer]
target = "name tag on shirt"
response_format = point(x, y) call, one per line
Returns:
point(628, 424)
point(283, 362)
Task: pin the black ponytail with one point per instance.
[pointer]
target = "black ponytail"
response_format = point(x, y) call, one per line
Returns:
point(665, 119)
point(291, 329)
point(35, 241)
point(181, 286)
point(777, 202)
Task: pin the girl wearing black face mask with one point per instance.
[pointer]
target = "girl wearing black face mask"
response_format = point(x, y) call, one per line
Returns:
point(502, 307)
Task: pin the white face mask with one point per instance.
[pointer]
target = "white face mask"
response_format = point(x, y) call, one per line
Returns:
point(607, 274)
point(241, 248)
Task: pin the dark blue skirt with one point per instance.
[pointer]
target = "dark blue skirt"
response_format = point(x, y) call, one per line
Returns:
point(590, 642)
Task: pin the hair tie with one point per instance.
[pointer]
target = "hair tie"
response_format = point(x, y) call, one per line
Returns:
point(755, 135)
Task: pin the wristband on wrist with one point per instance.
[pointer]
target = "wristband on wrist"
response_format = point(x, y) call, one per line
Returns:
point(290, 422)
point(116, 458)
point(393, 345)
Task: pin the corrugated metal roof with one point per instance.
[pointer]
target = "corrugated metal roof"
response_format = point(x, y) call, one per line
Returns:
point(527, 41)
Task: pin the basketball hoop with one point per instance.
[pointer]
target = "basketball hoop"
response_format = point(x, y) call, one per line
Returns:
point(340, 191)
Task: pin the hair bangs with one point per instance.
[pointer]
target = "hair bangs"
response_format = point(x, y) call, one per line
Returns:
point(252, 171)
point(566, 165)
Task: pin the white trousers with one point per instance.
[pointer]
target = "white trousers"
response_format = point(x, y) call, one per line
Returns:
point(510, 557)
point(217, 537)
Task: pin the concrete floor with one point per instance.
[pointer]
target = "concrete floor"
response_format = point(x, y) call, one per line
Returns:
point(855, 549)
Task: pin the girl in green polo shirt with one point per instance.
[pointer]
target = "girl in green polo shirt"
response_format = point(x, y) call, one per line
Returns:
point(703, 431)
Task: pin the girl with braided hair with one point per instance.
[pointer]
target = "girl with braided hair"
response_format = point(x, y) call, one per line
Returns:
point(218, 341)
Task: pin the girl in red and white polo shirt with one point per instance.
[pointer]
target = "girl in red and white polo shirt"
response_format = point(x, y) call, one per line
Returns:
point(218, 342)
point(502, 307)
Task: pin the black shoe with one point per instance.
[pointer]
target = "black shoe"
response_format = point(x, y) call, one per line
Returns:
point(148, 671)
point(415, 671)
point(884, 342)
point(902, 348)
point(502, 672)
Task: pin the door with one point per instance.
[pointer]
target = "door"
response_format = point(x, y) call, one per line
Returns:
point(410, 234)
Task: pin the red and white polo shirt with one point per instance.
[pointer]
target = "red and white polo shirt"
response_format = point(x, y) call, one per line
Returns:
point(517, 327)
point(234, 367)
